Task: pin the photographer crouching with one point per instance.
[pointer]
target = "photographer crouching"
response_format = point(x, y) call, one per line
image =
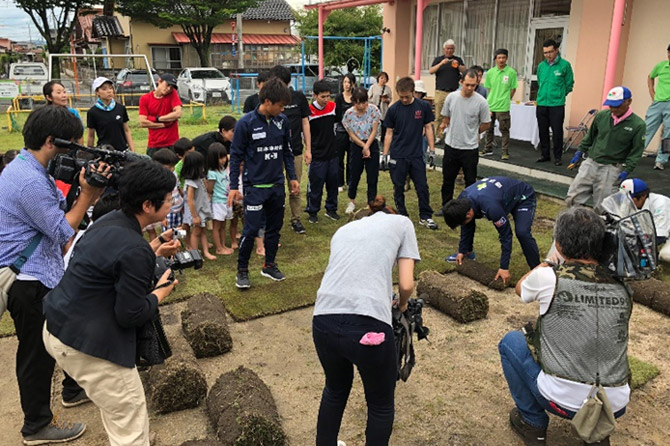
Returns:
point(578, 349)
point(106, 294)
point(36, 224)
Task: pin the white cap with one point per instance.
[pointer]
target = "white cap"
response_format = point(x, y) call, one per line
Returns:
point(419, 87)
point(97, 83)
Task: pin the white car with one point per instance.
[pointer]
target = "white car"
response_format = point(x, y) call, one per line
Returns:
point(203, 85)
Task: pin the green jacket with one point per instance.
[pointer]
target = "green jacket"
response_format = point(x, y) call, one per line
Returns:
point(606, 143)
point(554, 82)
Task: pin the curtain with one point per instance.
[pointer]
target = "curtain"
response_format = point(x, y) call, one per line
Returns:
point(479, 33)
point(512, 31)
point(431, 29)
point(451, 25)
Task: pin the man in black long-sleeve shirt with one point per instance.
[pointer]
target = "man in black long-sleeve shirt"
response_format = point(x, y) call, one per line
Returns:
point(322, 158)
point(105, 294)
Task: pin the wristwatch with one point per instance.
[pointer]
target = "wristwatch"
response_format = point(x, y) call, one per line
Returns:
point(158, 118)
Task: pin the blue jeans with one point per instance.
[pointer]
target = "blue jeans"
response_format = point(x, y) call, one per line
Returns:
point(658, 113)
point(336, 338)
point(521, 372)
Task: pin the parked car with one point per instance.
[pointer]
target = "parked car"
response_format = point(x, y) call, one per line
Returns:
point(132, 83)
point(311, 76)
point(30, 78)
point(204, 85)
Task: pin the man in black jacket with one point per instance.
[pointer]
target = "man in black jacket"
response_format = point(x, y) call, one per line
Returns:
point(106, 294)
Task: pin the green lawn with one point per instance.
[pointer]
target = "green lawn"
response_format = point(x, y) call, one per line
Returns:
point(303, 258)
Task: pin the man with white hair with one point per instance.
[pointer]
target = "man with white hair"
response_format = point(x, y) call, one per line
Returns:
point(447, 70)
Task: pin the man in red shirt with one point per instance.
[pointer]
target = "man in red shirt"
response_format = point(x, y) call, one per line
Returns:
point(160, 111)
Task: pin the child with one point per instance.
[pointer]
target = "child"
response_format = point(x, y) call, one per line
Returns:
point(7, 158)
point(181, 147)
point(108, 119)
point(361, 122)
point(262, 142)
point(218, 183)
point(175, 218)
point(198, 208)
point(322, 156)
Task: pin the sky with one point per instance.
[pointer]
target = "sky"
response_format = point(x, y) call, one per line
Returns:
point(15, 23)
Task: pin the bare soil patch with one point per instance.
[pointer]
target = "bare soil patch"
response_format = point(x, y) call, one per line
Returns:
point(456, 395)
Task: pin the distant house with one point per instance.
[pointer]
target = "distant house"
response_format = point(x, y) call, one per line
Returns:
point(98, 33)
point(267, 41)
point(5, 45)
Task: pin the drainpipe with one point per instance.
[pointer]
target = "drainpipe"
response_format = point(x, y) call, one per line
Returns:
point(418, 39)
point(323, 15)
point(613, 52)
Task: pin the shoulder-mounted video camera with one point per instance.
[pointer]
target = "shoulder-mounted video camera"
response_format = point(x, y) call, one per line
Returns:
point(66, 166)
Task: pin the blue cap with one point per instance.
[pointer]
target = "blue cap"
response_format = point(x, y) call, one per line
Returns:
point(633, 186)
point(617, 95)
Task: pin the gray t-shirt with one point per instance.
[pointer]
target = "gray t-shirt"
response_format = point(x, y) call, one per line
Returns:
point(466, 115)
point(358, 279)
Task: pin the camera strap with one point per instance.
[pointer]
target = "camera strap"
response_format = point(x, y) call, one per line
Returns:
point(404, 345)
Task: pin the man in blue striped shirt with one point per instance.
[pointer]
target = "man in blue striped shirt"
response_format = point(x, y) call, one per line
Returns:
point(30, 204)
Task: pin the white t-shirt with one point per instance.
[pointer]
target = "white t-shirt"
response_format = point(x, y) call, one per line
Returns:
point(539, 286)
point(358, 279)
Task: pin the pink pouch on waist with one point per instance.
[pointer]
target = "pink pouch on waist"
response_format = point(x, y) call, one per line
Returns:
point(372, 338)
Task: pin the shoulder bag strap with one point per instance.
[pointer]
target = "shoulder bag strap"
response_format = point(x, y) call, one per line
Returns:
point(26, 253)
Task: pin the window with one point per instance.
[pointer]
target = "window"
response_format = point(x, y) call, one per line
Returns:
point(548, 8)
point(166, 57)
point(479, 33)
point(441, 21)
point(512, 31)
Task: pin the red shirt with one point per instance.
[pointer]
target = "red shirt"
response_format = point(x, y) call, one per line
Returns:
point(151, 107)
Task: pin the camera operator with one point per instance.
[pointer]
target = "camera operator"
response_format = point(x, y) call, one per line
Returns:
point(105, 295)
point(352, 322)
point(31, 206)
point(581, 337)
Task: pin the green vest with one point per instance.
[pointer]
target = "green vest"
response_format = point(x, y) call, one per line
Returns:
point(554, 82)
point(583, 336)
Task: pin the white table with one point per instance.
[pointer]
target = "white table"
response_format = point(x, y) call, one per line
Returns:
point(524, 124)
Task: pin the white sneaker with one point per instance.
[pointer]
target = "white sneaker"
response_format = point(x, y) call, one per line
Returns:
point(341, 443)
point(658, 166)
point(351, 207)
point(429, 223)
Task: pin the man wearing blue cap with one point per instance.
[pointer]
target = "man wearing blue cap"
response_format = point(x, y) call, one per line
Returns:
point(611, 149)
point(657, 204)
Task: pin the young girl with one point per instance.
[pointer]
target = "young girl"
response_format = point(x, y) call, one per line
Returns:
point(343, 102)
point(199, 208)
point(108, 119)
point(218, 183)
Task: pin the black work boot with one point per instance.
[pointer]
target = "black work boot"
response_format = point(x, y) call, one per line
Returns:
point(531, 436)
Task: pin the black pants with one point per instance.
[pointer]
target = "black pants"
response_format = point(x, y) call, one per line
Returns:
point(371, 165)
point(34, 366)
point(344, 170)
point(263, 206)
point(416, 168)
point(322, 172)
point(551, 117)
point(454, 160)
point(337, 341)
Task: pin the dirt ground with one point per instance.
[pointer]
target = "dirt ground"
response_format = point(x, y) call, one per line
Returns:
point(456, 394)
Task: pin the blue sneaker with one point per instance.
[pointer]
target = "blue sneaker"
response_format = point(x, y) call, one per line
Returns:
point(452, 258)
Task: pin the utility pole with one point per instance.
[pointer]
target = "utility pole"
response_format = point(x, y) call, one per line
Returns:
point(240, 44)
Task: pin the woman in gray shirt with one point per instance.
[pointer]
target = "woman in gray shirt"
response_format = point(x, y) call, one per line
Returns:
point(352, 318)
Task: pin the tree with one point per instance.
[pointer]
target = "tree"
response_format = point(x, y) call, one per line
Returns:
point(197, 18)
point(353, 22)
point(54, 19)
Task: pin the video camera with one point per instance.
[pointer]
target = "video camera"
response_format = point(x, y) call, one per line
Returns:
point(179, 262)
point(66, 166)
point(405, 324)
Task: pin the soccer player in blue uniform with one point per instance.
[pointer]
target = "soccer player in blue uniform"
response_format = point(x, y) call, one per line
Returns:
point(495, 198)
point(262, 143)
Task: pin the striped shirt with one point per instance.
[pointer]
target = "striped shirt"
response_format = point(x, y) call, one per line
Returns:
point(30, 203)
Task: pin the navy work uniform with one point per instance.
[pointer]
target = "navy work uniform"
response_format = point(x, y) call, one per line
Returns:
point(495, 198)
point(264, 147)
